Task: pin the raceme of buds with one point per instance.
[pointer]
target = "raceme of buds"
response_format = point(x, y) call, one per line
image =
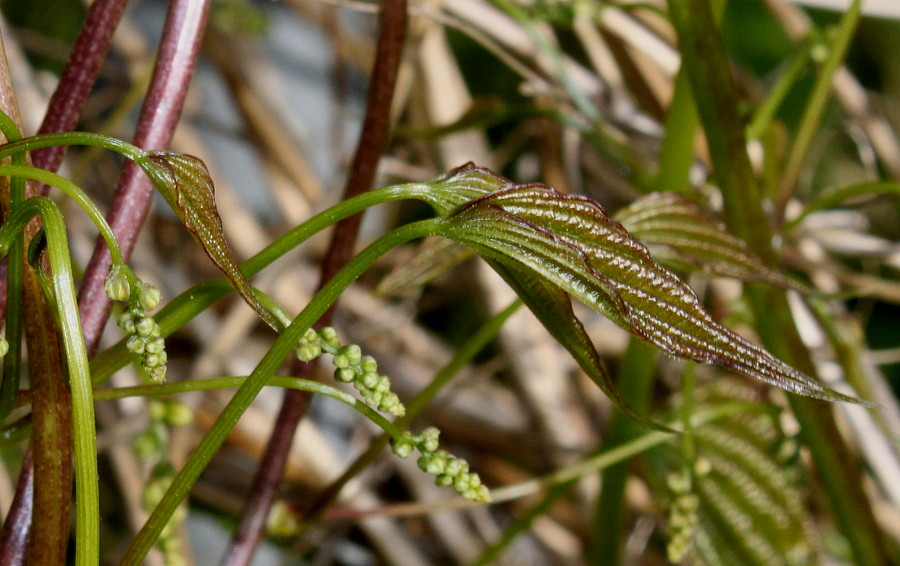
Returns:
point(448, 470)
point(352, 367)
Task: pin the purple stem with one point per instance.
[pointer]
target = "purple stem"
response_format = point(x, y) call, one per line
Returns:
point(372, 144)
point(65, 105)
point(77, 79)
point(176, 58)
point(177, 55)
point(17, 528)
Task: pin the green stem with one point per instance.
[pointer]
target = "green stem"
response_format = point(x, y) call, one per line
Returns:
point(635, 383)
point(12, 364)
point(87, 514)
point(20, 146)
point(763, 116)
point(708, 67)
point(194, 385)
point(815, 106)
point(285, 342)
point(75, 193)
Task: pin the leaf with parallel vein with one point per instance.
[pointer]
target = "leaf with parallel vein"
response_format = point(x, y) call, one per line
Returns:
point(570, 242)
point(185, 183)
point(694, 238)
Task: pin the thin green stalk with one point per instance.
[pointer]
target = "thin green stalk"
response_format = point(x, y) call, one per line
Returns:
point(635, 381)
point(815, 106)
point(285, 342)
point(763, 116)
point(75, 193)
point(717, 101)
point(87, 515)
point(12, 364)
point(213, 383)
point(677, 153)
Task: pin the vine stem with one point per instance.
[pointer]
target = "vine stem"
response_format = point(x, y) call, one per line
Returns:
point(78, 78)
point(87, 513)
point(232, 412)
point(372, 143)
point(175, 61)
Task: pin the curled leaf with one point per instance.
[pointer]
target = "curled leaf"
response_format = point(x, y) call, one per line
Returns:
point(693, 236)
point(571, 243)
point(184, 182)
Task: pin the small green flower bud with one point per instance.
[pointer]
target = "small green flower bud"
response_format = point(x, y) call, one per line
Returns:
point(368, 364)
point(688, 502)
point(430, 439)
point(179, 414)
point(155, 345)
point(444, 480)
point(344, 375)
point(157, 374)
point(150, 296)
point(383, 385)
point(374, 399)
point(369, 380)
point(157, 409)
point(4, 346)
point(678, 483)
point(151, 361)
point(432, 464)
point(454, 467)
point(308, 352)
point(283, 521)
point(126, 322)
point(481, 494)
point(146, 326)
point(341, 361)
point(461, 483)
point(352, 353)
point(403, 446)
point(153, 494)
point(146, 445)
point(328, 335)
point(116, 286)
point(310, 336)
point(136, 344)
point(702, 467)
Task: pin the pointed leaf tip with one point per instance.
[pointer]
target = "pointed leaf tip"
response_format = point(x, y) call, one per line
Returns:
point(570, 242)
point(185, 183)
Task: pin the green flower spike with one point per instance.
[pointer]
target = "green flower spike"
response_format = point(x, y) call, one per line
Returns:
point(448, 470)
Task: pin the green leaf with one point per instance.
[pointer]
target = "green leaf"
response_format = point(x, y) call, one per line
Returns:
point(570, 242)
point(184, 182)
point(693, 237)
point(750, 478)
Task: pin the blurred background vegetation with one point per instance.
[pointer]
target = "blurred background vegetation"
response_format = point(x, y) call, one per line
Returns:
point(575, 94)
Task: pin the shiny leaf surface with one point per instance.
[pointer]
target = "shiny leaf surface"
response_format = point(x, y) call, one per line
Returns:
point(184, 182)
point(671, 222)
point(571, 243)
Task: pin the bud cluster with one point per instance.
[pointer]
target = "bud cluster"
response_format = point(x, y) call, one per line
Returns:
point(683, 517)
point(143, 333)
point(447, 469)
point(152, 444)
point(352, 367)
